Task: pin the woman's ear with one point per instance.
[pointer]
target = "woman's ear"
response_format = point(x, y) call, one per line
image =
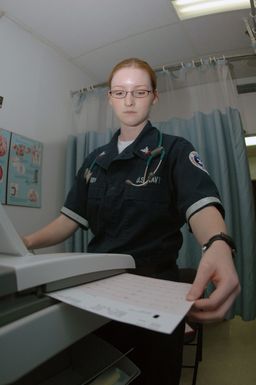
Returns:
point(156, 97)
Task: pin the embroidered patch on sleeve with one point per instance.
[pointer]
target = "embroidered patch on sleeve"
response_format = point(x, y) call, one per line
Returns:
point(196, 161)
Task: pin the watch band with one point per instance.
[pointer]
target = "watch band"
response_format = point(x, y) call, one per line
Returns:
point(220, 237)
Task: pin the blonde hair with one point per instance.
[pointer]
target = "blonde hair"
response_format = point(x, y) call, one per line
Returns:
point(134, 63)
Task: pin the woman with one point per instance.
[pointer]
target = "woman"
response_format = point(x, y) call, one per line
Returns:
point(135, 193)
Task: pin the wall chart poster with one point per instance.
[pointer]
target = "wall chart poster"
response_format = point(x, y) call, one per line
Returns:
point(5, 137)
point(24, 172)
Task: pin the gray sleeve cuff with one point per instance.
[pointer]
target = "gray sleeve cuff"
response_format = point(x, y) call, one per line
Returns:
point(77, 218)
point(201, 204)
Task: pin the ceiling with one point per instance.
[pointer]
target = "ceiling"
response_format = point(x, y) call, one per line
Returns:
point(96, 34)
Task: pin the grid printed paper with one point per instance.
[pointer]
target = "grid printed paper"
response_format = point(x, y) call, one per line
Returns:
point(151, 303)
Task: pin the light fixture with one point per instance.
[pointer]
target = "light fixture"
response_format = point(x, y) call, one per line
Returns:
point(250, 141)
point(187, 9)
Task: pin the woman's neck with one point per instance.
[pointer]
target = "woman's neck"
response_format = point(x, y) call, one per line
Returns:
point(128, 133)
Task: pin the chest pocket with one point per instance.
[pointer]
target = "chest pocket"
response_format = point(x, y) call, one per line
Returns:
point(145, 205)
point(150, 193)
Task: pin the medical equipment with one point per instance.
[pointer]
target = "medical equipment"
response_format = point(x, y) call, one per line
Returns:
point(32, 324)
point(158, 151)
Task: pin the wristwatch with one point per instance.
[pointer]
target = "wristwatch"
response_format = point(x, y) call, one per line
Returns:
point(220, 237)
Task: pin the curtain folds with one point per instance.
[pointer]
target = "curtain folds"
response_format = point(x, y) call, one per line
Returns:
point(219, 139)
point(200, 104)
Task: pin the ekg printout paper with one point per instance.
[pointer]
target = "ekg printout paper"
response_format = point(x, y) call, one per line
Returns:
point(151, 303)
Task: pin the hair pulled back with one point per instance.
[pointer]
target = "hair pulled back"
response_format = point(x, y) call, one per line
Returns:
point(134, 63)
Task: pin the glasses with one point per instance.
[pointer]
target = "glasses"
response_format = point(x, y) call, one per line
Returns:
point(121, 94)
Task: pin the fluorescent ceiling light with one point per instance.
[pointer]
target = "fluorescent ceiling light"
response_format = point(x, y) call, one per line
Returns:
point(250, 141)
point(187, 9)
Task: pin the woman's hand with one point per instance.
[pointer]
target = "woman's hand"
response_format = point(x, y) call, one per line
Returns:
point(217, 267)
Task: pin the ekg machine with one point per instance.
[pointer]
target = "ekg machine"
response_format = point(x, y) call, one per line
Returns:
point(35, 328)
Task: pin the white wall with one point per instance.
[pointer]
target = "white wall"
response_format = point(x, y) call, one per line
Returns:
point(247, 105)
point(36, 83)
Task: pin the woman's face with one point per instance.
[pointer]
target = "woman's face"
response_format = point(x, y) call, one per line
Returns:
point(132, 111)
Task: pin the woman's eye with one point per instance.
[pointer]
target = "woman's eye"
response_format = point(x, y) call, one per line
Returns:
point(119, 93)
point(141, 92)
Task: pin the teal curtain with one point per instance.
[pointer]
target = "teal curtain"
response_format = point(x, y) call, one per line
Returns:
point(215, 129)
point(219, 139)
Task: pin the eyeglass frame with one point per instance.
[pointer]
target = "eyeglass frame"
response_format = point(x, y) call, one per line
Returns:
point(131, 92)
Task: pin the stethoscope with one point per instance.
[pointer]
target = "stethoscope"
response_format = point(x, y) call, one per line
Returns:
point(147, 177)
point(158, 151)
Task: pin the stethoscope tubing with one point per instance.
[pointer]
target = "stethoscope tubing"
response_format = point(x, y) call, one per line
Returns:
point(159, 150)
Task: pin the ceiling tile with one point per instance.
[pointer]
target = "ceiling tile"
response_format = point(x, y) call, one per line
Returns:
point(162, 46)
point(97, 34)
point(79, 26)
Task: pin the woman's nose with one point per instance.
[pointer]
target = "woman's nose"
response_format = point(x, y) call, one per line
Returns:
point(129, 99)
